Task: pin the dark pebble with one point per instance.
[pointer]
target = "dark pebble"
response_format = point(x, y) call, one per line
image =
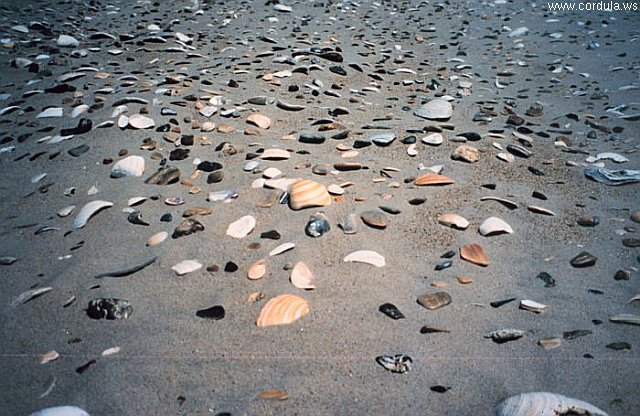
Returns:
point(449, 254)
point(576, 334)
point(519, 151)
point(548, 280)
point(215, 177)
point(166, 217)
point(86, 366)
point(539, 195)
point(187, 227)
point(230, 267)
point(216, 313)
point(391, 311)
point(84, 126)
point(588, 221)
point(338, 70)
point(207, 166)
point(409, 140)
point(311, 139)
point(619, 346)
point(444, 265)
point(417, 201)
point(622, 274)
point(78, 151)
point(439, 389)
point(179, 154)
point(271, 235)
point(631, 242)
point(535, 171)
point(499, 303)
point(583, 259)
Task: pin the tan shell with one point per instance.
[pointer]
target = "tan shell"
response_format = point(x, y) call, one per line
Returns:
point(474, 253)
point(129, 166)
point(138, 121)
point(301, 277)
point(275, 154)
point(157, 238)
point(242, 227)
point(259, 120)
point(493, 226)
point(542, 403)
point(429, 179)
point(257, 270)
point(454, 221)
point(281, 310)
point(305, 193)
point(366, 256)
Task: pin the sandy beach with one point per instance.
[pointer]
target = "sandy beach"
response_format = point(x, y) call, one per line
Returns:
point(478, 161)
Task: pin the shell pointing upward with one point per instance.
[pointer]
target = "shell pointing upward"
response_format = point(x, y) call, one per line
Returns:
point(88, 210)
point(305, 193)
point(282, 310)
point(527, 404)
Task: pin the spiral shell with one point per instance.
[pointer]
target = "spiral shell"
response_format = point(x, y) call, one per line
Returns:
point(281, 310)
point(305, 193)
point(542, 403)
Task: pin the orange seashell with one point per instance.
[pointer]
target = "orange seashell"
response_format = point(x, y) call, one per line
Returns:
point(301, 277)
point(305, 193)
point(474, 253)
point(282, 310)
point(259, 120)
point(427, 179)
point(257, 270)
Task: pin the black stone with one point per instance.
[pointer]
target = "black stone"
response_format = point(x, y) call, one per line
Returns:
point(78, 151)
point(391, 311)
point(583, 259)
point(166, 217)
point(338, 70)
point(271, 235)
point(207, 166)
point(311, 139)
point(498, 303)
point(569, 335)
point(84, 126)
point(230, 267)
point(215, 177)
point(439, 389)
point(444, 265)
point(548, 280)
point(361, 144)
point(216, 313)
point(179, 154)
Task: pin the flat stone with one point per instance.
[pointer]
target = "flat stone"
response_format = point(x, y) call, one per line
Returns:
point(583, 259)
point(375, 219)
point(433, 301)
point(466, 153)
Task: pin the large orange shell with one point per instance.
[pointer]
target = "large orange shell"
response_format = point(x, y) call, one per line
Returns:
point(282, 310)
point(474, 253)
point(305, 193)
point(433, 179)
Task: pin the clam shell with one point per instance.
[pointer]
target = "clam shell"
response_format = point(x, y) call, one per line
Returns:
point(281, 310)
point(49, 356)
point(437, 109)
point(533, 306)
point(257, 270)
point(186, 266)
point(366, 256)
point(543, 403)
point(129, 166)
point(428, 179)
point(453, 220)
point(138, 121)
point(493, 226)
point(301, 277)
point(305, 193)
point(88, 210)
point(259, 120)
point(474, 253)
point(60, 411)
point(157, 238)
point(275, 154)
point(242, 227)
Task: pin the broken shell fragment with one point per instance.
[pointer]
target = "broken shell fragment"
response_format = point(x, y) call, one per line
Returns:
point(282, 310)
point(399, 363)
point(626, 318)
point(301, 277)
point(157, 238)
point(433, 301)
point(88, 211)
point(493, 226)
point(474, 253)
point(305, 193)
point(432, 179)
point(542, 403)
point(259, 120)
point(186, 266)
point(129, 166)
point(530, 305)
point(438, 109)
point(366, 256)
point(454, 221)
point(275, 154)
point(138, 121)
point(242, 227)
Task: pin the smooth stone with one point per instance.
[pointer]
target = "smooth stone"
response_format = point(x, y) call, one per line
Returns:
point(207, 166)
point(67, 41)
point(349, 224)
point(79, 151)
point(391, 311)
point(139, 121)
point(583, 259)
point(375, 219)
point(635, 216)
point(588, 221)
point(466, 153)
point(433, 301)
point(383, 139)
point(215, 177)
point(186, 266)
point(433, 139)
point(317, 225)
point(437, 109)
point(271, 235)
point(631, 242)
point(311, 139)
point(519, 151)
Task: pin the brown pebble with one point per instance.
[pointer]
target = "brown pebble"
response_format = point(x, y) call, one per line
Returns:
point(464, 280)
point(107, 161)
point(635, 216)
point(123, 152)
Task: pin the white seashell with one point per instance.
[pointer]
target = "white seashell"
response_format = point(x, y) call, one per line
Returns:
point(301, 277)
point(438, 109)
point(259, 120)
point(208, 111)
point(411, 150)
point(366, 256)
point(433, 139)
point(138, 121)
point(51, 112)
point(110, 351)
point(281, 249)
point(129, 166)
point(271, 173)
point(530, 305)
point(67, 41)
point(136, 200)
point(542, 403)
point(66, 211)
point(626, 318)
point(282, 184)
point(157, 238)
point(334, 189)
point(88, 210)
point(60, 411)
point(186, 266)
point(123, 121)
point(493, 226)
point(275, 154)
point(257, 270)
point(49, 356)
point(30, 294)
point(38, 178)
point(618, 158)
point(79, 110)
point(242, 227)
point(453, 220)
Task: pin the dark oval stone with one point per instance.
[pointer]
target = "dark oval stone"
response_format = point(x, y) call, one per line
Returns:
point(583, 259)
point(361, 144)
point(631, 242)
point(271, 235)
point(216, 313)
point(622, 274)
point(215, 177)
point(548, 280)
point(618, 346)
point(179, 154)
point(391, 311)
point(444, 265)
point(78, 151)
point(338, 70)
point(471, 136)
point(207, 166)
point(311, 139)
point(166, 217)
point(439, 389)
point(588, 221)
point(409, 139)
point(519, 151)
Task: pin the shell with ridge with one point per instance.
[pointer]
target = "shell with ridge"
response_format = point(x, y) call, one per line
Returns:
point(543, 403)
point(282, 310)
point(305, 193)
point(433, 179)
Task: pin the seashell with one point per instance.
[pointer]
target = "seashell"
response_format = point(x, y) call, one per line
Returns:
point(317, 225)
point(438, 109)
point(129, 166)
point(282, 248)
point(434, 139)
point(60, 411)
point(540, 210)
point(49, 356)
point(257, 270)
point(626, 318)
point(67, 41)
point(242, 227)
point(433, 301)
point(88, 210)
point(429, 179)
point(366, 256)
point(66, 211)
point(123, 121)
point(277, 394)
point(399, 363)
point(334, 189)
point(102, 308)
point(543, 403)
point(282, 310)
point(208, 111)
point(530, 305)
point(453, 220)
point(29, 295)
point(301, 277)
point(505, 202)
point(110, 351)
point(259, 120)
point(157, 238)
point(550, 343)
point(207, 126)
point(505, 335)
point(255, 296)
point(138, 121)
point(271, 173)
point(224, 196)
point(7, 260)
point(275, 154)
point(51, 112)
point(186, 266)
point(305, 193)
point(474, 253)
point(136, 200)
point(494, 225)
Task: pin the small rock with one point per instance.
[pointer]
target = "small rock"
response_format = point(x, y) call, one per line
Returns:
point(433, 301)
point(466, 153)
point(583, 259)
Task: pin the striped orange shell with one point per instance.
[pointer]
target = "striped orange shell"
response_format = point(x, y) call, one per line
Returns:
point(433, 179)
point(282, 310)
point(305, 193)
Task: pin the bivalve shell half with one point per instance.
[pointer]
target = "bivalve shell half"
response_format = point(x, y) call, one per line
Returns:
point(138, 121)
point(242, 227)
point(282, 310)
point(454, 221)
point(259, 120)
point(493, 226)
point(129, 166)
point(157, 238)
point(305, 193)
point(366, 256)
point(431, 179)
point(543, 403)
point(275, 154)
point(474, 253)
point(301, 277)
point(88, 211)
point(257, 270)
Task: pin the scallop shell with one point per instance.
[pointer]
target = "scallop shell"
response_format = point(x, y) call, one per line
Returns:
point(138, 121)
point(305, 193)
point(429, 179)
point(281, 310)
point(129, 166)
point(301, 277)
point(88, 210)
point(453, 220)
point(259, 120)
point(242, 227)
point(474, 253)
point(542, 403)
point(493, 226)
point(366, 256)
point(157, 238)
point(257, 270)
point(186, 266)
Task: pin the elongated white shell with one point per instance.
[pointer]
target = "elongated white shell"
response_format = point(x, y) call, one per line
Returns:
point(541, 403)
point(157, 238)
point(61, 411)
point(366, 256)
point(88, 210)
point(186, 266)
